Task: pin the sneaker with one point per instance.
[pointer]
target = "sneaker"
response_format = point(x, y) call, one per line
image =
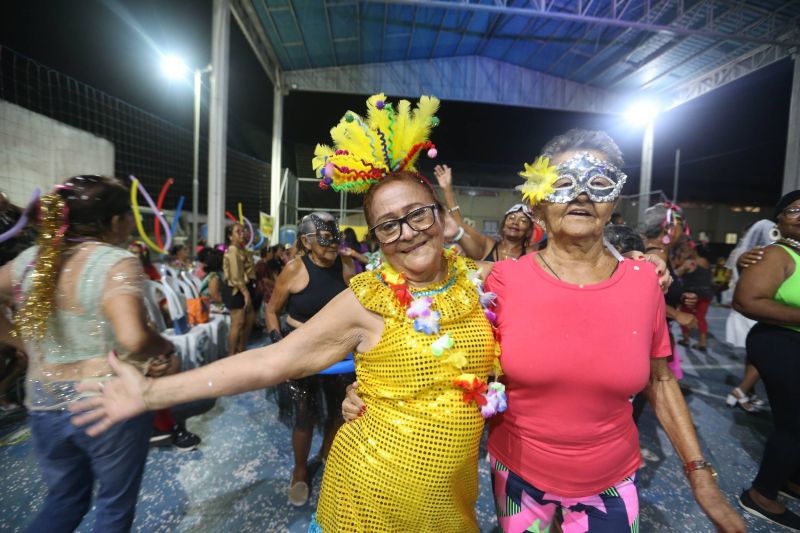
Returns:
point(160, 438)
point(183, 439)
point(786, 519)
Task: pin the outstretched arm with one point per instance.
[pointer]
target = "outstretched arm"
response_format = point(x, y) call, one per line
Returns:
point(342, 326)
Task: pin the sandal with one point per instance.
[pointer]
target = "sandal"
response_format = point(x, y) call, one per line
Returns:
point(684, 342)
point(737, 397)
point(757, 402)
point(703, 349)
point(298, 494)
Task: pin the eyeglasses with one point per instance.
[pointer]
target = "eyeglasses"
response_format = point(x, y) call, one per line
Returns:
point(419, 219)
point(792, 212)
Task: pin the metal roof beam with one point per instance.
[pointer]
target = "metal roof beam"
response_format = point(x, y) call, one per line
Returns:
point(672, 68)
point(663, 49)
point(736, 8)
point(411, 35)
point(300, 31)
point(246, 17)
point(729, 72)
point(330, 35)
point(599, 55)
point(536, 11)
point(465, 78)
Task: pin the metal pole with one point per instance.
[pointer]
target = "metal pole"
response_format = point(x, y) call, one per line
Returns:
point(196, 161)
point(218, 120)
point(677, 173)
point(275, 164)
point(791, 169)
point(647, 170)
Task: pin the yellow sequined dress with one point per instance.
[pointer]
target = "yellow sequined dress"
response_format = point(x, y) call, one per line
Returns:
point(410, 463)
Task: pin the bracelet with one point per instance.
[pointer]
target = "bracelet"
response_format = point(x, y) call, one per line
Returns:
point(453, 209)
point(458, 235)
point(691, 466)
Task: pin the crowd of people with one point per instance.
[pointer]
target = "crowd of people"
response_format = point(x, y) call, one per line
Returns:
point(556, 331)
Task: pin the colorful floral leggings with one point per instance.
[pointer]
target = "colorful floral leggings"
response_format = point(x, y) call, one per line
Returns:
point(521, 507)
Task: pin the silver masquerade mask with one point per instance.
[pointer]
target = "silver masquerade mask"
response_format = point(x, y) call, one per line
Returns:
point(601, 180)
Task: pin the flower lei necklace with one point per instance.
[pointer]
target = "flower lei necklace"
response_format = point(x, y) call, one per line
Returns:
point(489, 397)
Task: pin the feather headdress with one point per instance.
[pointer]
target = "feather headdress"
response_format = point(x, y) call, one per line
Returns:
point(388, 140)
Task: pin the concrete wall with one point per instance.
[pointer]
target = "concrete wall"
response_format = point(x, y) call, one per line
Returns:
point(38, 151)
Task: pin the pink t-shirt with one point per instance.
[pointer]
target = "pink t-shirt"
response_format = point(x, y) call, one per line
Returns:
point(572, 357)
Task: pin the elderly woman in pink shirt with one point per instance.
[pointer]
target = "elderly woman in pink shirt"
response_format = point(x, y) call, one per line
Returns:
point(582, 330)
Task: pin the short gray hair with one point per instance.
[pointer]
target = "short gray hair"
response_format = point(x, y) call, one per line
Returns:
point(654, 220)
point(578, 139)
point(307, 225)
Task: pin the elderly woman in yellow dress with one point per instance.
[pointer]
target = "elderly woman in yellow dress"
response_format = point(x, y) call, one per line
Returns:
point(423, 348)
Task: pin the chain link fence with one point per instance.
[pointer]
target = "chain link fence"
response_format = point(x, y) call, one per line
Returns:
point(146, 146)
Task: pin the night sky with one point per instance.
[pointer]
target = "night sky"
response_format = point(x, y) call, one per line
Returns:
point(732, 140)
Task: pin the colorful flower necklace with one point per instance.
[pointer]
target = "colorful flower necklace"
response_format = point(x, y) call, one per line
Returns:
point(489, 397)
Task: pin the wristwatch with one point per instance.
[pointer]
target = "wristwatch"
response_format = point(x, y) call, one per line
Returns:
point(691, 466)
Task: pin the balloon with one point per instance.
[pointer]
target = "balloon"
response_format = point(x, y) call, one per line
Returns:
point(177, 216)
point(345, 366)
point(233, 218)
point(23, 219)
point(138, 216)
point(260, 242)
point(161, 196)
point(241, 216)
point(250, 227)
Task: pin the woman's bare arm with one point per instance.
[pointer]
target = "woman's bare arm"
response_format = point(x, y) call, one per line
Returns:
point(280, 294)
point(755, 291)
point(475, 244)
point(667, 400)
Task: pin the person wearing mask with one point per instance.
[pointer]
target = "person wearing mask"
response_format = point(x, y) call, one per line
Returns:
point(304, 287)
point(567, 433)
point(80, 296)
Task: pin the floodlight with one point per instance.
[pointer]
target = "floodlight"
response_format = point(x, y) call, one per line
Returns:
point(642, 112)
point(173, 67)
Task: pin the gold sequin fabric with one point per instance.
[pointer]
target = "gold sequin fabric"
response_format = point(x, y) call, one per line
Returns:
point(410, 463)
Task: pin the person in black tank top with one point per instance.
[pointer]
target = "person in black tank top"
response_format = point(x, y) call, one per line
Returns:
point(303, 288)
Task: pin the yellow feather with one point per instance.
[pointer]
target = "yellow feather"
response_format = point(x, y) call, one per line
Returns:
point(400, 140)
point(320, 153)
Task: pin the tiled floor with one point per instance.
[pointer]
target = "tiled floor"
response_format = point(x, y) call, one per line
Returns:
point(237, 480)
